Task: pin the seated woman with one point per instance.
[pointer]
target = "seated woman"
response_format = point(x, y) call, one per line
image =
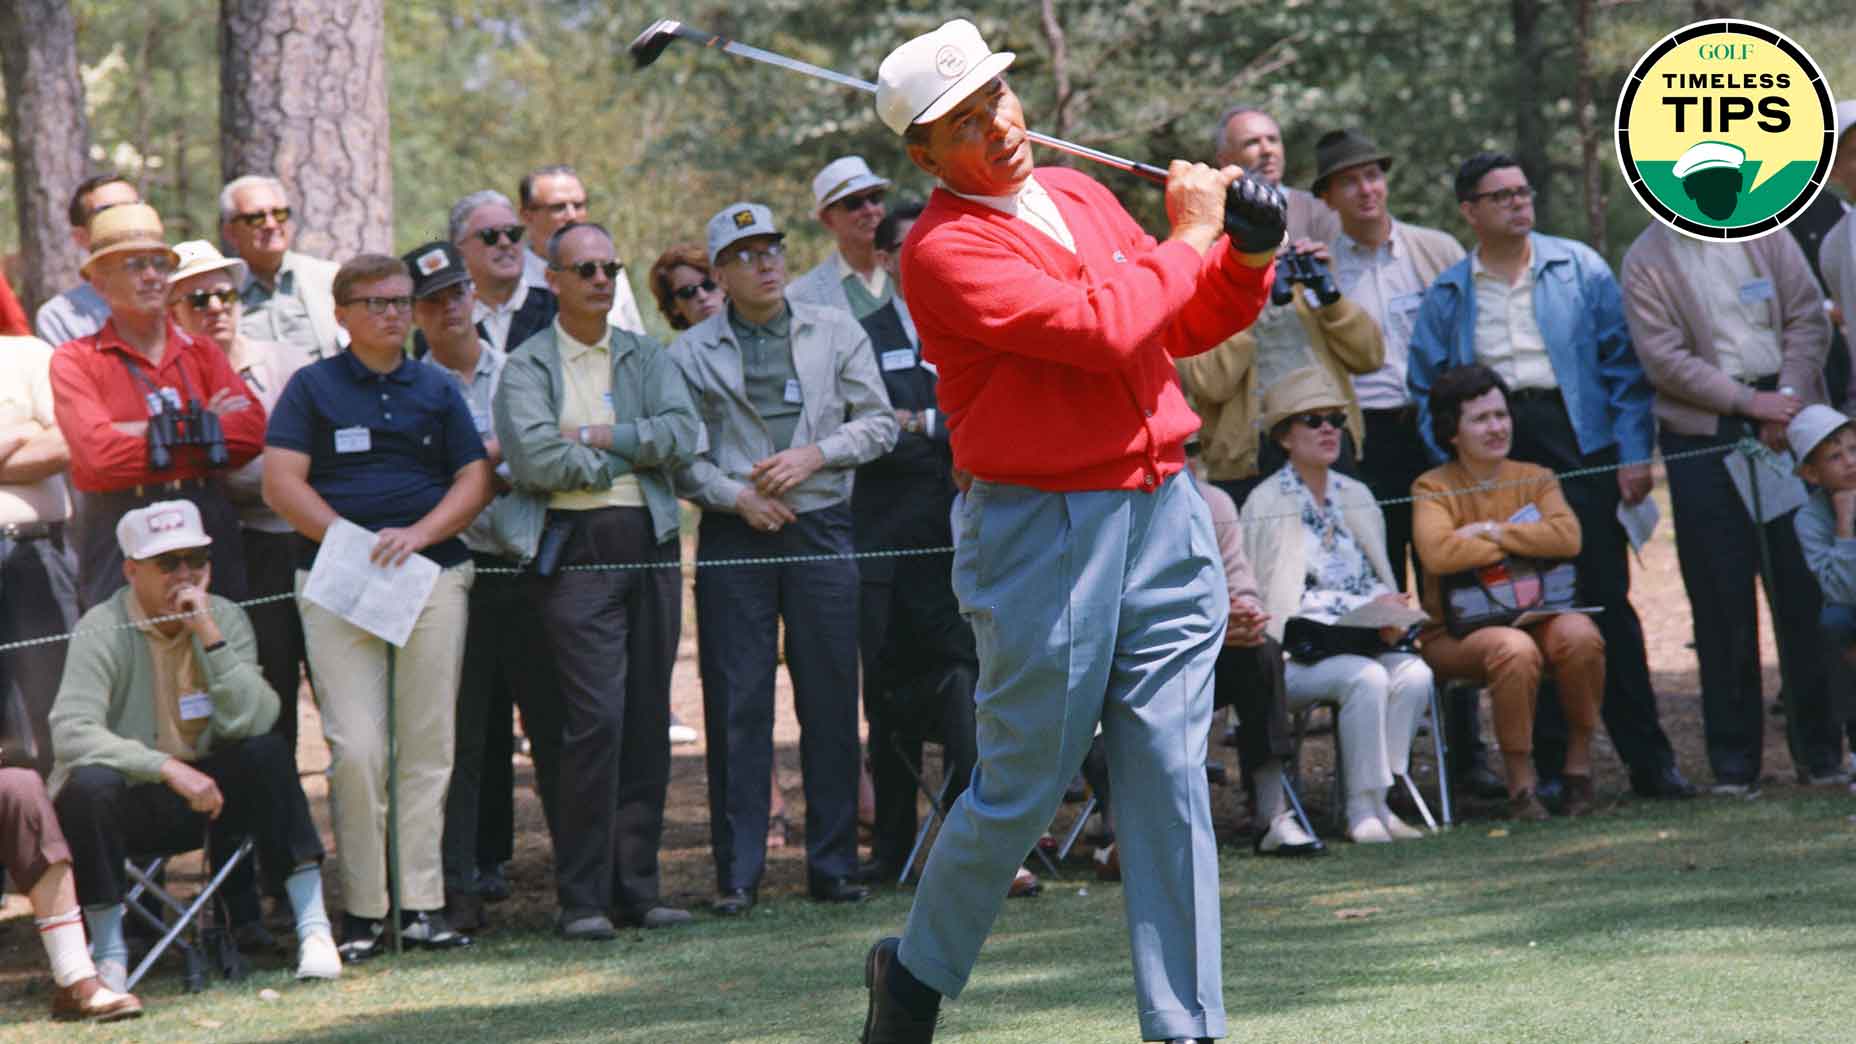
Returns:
point(1462, 521)
point(1318, 544)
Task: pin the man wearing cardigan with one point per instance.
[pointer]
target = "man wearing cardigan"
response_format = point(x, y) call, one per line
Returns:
point(1084, 560)
point(1733, 337)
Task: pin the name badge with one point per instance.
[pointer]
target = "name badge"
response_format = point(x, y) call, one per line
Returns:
point(898, 359)
point(1757, 290)
point(353, 440)
point(792, 391)
point(195, 705)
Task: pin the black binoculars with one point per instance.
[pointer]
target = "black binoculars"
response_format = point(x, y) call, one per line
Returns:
point(193, 426)
point(1295, 266)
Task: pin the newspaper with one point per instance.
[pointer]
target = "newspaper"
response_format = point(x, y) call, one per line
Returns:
point(1780, 491)
point(1380, 615)
point(382, 600)
point(1639, 521)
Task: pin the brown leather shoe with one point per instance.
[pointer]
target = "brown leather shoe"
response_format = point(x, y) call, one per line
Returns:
point(1580, 799)
point(1527, 808)
point(1025, 885)
point(91, 1001)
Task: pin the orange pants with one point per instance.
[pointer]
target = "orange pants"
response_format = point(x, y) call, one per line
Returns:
point(1509, 661)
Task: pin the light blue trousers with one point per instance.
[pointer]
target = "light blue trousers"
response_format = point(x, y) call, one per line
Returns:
point(1090, 607)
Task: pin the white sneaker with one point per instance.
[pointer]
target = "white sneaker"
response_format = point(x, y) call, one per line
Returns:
point(1368, 832)
point(1399, 830)
point(1286, 837)
point(316, 958)
point(681, 734)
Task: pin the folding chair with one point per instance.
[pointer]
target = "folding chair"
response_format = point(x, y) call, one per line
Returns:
point(937, 805)
point(200, 934)
point(1433, 720)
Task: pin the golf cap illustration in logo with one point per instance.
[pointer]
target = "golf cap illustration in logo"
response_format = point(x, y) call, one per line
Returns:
point(1726, 130)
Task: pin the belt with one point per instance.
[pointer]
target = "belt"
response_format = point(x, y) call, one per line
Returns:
point(1536, 395)
point(170, 486)
point(1761, 383)
point(31, 530)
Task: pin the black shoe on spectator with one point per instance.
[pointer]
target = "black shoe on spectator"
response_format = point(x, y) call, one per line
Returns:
point(1667, 783)
point(654, 918)
point(493, 883)
point(465, 911)
point(839, 890)
point(363, 939)
point(428, 930)
point(886, 1021)
point(734, 902)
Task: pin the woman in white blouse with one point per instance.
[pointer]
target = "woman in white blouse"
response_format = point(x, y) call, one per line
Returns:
point(1317, 542)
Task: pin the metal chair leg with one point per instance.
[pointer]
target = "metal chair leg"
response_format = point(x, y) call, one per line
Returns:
point(1441, 747)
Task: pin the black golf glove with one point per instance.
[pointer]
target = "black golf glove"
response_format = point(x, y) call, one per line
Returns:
point(1255, 215)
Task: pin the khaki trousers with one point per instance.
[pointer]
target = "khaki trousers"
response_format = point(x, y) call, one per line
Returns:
point(349, 669)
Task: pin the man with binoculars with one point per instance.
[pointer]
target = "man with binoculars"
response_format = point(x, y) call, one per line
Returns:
point(150, 412)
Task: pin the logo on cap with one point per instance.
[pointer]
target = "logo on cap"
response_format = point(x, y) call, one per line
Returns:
point(950, 61)
point(163, 521)
point(431, 261)
point(744, 217)
point(1726, 130)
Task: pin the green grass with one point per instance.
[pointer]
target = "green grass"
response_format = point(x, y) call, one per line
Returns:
point(1710, 921)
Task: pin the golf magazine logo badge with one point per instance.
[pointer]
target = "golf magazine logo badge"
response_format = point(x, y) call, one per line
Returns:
point(1726, 130)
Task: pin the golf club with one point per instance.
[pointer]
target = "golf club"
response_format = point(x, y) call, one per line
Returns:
point(651, 43)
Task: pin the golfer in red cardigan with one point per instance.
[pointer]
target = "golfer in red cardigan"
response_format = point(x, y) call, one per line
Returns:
point(1085, 560)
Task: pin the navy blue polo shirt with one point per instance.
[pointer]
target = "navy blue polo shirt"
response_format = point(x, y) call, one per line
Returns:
point(383, 447)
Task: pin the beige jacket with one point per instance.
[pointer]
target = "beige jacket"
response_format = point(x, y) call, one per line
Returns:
point(1671, 332)
point(1272, 527)
point(1222, 384)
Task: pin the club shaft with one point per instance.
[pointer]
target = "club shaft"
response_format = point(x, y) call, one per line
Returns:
point(739, 49)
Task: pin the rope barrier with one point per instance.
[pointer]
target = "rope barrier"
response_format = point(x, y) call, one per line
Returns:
point(1749, 448)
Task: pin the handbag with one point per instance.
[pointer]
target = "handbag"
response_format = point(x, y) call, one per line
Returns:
point(1311, 641)
point(1497, 595)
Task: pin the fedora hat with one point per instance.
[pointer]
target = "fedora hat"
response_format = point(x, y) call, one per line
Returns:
point(1300, 391)
point(124, 228)
point(198, 257)
point(1339, 149)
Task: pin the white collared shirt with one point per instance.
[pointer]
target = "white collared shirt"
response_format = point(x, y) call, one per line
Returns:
point(496, 320)
point(1508, 338)
point(1033, 205)
point(1386, 285)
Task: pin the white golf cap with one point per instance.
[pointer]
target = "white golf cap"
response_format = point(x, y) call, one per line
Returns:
point(924, 78)
point(736, 222)
point(1846, 117)
point(843, 177)
point(198, 257)
point(167, 525)
point(1812, 425)
point(1706, 155)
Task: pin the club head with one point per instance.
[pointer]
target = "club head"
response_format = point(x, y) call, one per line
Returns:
point(652, 41)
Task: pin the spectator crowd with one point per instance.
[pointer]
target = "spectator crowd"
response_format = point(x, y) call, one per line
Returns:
point(193, 420)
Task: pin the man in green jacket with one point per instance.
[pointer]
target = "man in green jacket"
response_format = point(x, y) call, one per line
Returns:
point(162, 732)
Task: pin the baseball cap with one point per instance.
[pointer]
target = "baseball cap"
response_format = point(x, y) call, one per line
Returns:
point(435, 266)
point(736, 222)
point(167, 525)
point(926, 77)
point(843, 177)
point(1811, 426)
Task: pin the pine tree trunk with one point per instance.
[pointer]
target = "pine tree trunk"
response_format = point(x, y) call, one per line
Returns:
point(50, 132)
point(303, 97)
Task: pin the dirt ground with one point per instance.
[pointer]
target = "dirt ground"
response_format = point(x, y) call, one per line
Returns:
point(688, 877)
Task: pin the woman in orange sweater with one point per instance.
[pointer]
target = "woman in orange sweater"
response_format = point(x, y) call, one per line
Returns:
point(1463, 519)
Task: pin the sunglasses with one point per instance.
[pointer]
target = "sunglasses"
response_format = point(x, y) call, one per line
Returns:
point(489, 236)
point(1313, 421)
point(688, 293)
point(852, 204)
point(199, 299)
point(255, 218)
point(586, 269)
point(381, 305)
point(194, 558)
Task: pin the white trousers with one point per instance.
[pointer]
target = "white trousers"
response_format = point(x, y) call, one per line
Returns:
point(1381, 700)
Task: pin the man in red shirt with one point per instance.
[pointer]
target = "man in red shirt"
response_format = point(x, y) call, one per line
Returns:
point(1084, 560)
point(142, 371)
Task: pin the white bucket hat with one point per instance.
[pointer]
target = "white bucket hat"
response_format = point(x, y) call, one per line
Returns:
point(843, 177)
point(924, 78)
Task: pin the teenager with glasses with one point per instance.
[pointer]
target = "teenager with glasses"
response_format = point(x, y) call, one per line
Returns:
point(1318, 544)
point(508, 310)
point(286, 294)
point(849, 202)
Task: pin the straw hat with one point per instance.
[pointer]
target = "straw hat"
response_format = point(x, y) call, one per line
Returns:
point(1298, 392)
point(125, 228)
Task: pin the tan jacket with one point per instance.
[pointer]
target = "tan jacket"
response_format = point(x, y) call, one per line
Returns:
point(1671, 330)
point(1438, 513)
point(1222, 384)
point(1272, 529)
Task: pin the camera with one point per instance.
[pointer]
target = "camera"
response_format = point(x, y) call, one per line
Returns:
point(193, 426)
point(1295, 266)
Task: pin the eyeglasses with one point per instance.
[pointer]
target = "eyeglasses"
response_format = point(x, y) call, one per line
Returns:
point(585, 269)
point(1313, 421)
point(490, 235)
point(688, 293)
point(853, 204)
point(381, 305)
point(194, 558)
point(565, 206)
point(256, 218)
point(159, 264)
point(1503, 197)
point(770, 252)
point(199, 299)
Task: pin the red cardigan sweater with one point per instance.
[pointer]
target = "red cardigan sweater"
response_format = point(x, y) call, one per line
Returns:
point(1055, 368)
